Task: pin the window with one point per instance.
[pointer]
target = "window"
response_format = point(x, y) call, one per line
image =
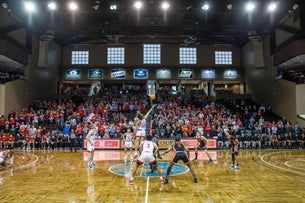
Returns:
point(80, 57)
point(187, 55)
point(116, 55)
point(223, 57)
point(152, 54)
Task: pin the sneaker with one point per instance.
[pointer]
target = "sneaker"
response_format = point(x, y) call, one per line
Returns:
point(161, 180)
point(236, 166)
point(195, 180)
point(130, 182)
point(232, 165)
point(166, 181)
point(210, 161)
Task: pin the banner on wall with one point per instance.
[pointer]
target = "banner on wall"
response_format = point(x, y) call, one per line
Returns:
point(208, 74)
point(73, 74)
point(163, 74)
point(140, 73)
point(230, 74)
point(95, 88)
point(118, 73)
point(95, 73)
point(186, 74)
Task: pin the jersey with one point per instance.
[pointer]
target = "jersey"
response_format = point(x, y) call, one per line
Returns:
point(201, 143)
point(179, 149)
point(1, 157)
point(234, 145)
point(128, 140)
point(147, 154)
point(141, 128)
point(91, 140)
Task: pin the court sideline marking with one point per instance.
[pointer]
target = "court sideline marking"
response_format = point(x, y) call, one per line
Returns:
point(146, 193)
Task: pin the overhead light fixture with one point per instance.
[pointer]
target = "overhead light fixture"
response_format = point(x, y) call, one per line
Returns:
point(250, 6)
point(52, 5)
point(229, 6)
point(4, 5)
point(205, 6)
point(113, 7)
point(138, 4)
point(295, 7)
point(73, 6)
point(29, 6)
point(272, 7)
point(165, 5)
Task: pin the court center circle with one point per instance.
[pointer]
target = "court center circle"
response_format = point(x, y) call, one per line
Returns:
point(124, 169)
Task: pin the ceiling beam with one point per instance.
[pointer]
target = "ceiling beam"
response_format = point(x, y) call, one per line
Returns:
point(10, 28)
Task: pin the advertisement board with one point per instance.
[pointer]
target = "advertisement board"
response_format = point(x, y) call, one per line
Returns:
point(186, 74)
point(163, 74)
point(140, 73)
point(208, 74)
point(95, 73)
point(230, 74)
point(73, 74)
point(118, 73)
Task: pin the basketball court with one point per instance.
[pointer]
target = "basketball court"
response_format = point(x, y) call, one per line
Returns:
point(62, 176)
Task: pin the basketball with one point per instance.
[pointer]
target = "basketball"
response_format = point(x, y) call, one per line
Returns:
point(152, 97)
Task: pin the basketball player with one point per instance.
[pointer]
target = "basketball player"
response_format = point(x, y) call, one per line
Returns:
point(201, 144)
point(148, 149)
point(5, 156)
point(140, 129)
point(181, 153)
point(90, 145)
point(234, 149)
point(128, 137)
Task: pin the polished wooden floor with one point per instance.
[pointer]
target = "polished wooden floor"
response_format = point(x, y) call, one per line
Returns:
point(62, 176)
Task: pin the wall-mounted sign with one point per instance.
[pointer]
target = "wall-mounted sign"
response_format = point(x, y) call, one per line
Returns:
point(163, 74)
point(208, 74)
point(73, 74)
point(185, 74)
point(118, 73)
point(95, 73)
point(140, 73)
point(230, 74)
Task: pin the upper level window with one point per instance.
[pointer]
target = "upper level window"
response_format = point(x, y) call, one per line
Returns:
point(223, 57)
point(116, 55)
point(151, 54)
point(187, 55)
point(80, 57)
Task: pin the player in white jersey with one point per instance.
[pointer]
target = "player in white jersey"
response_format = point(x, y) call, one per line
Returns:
point(148, 149)
point(5, 156)
point(140, 128)
point(90, 145)
point(128, 137)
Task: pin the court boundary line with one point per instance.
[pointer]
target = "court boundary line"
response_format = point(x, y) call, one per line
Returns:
point(298, 168)
point(27, 165)
point(278, 167)
point(147, 187)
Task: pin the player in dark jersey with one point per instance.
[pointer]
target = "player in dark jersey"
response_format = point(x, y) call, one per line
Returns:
point(201, 145)
point(181, 153)
point(234, 149)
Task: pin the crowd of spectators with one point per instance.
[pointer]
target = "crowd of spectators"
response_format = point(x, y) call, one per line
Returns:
point(296, 76)
point(49, 124)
